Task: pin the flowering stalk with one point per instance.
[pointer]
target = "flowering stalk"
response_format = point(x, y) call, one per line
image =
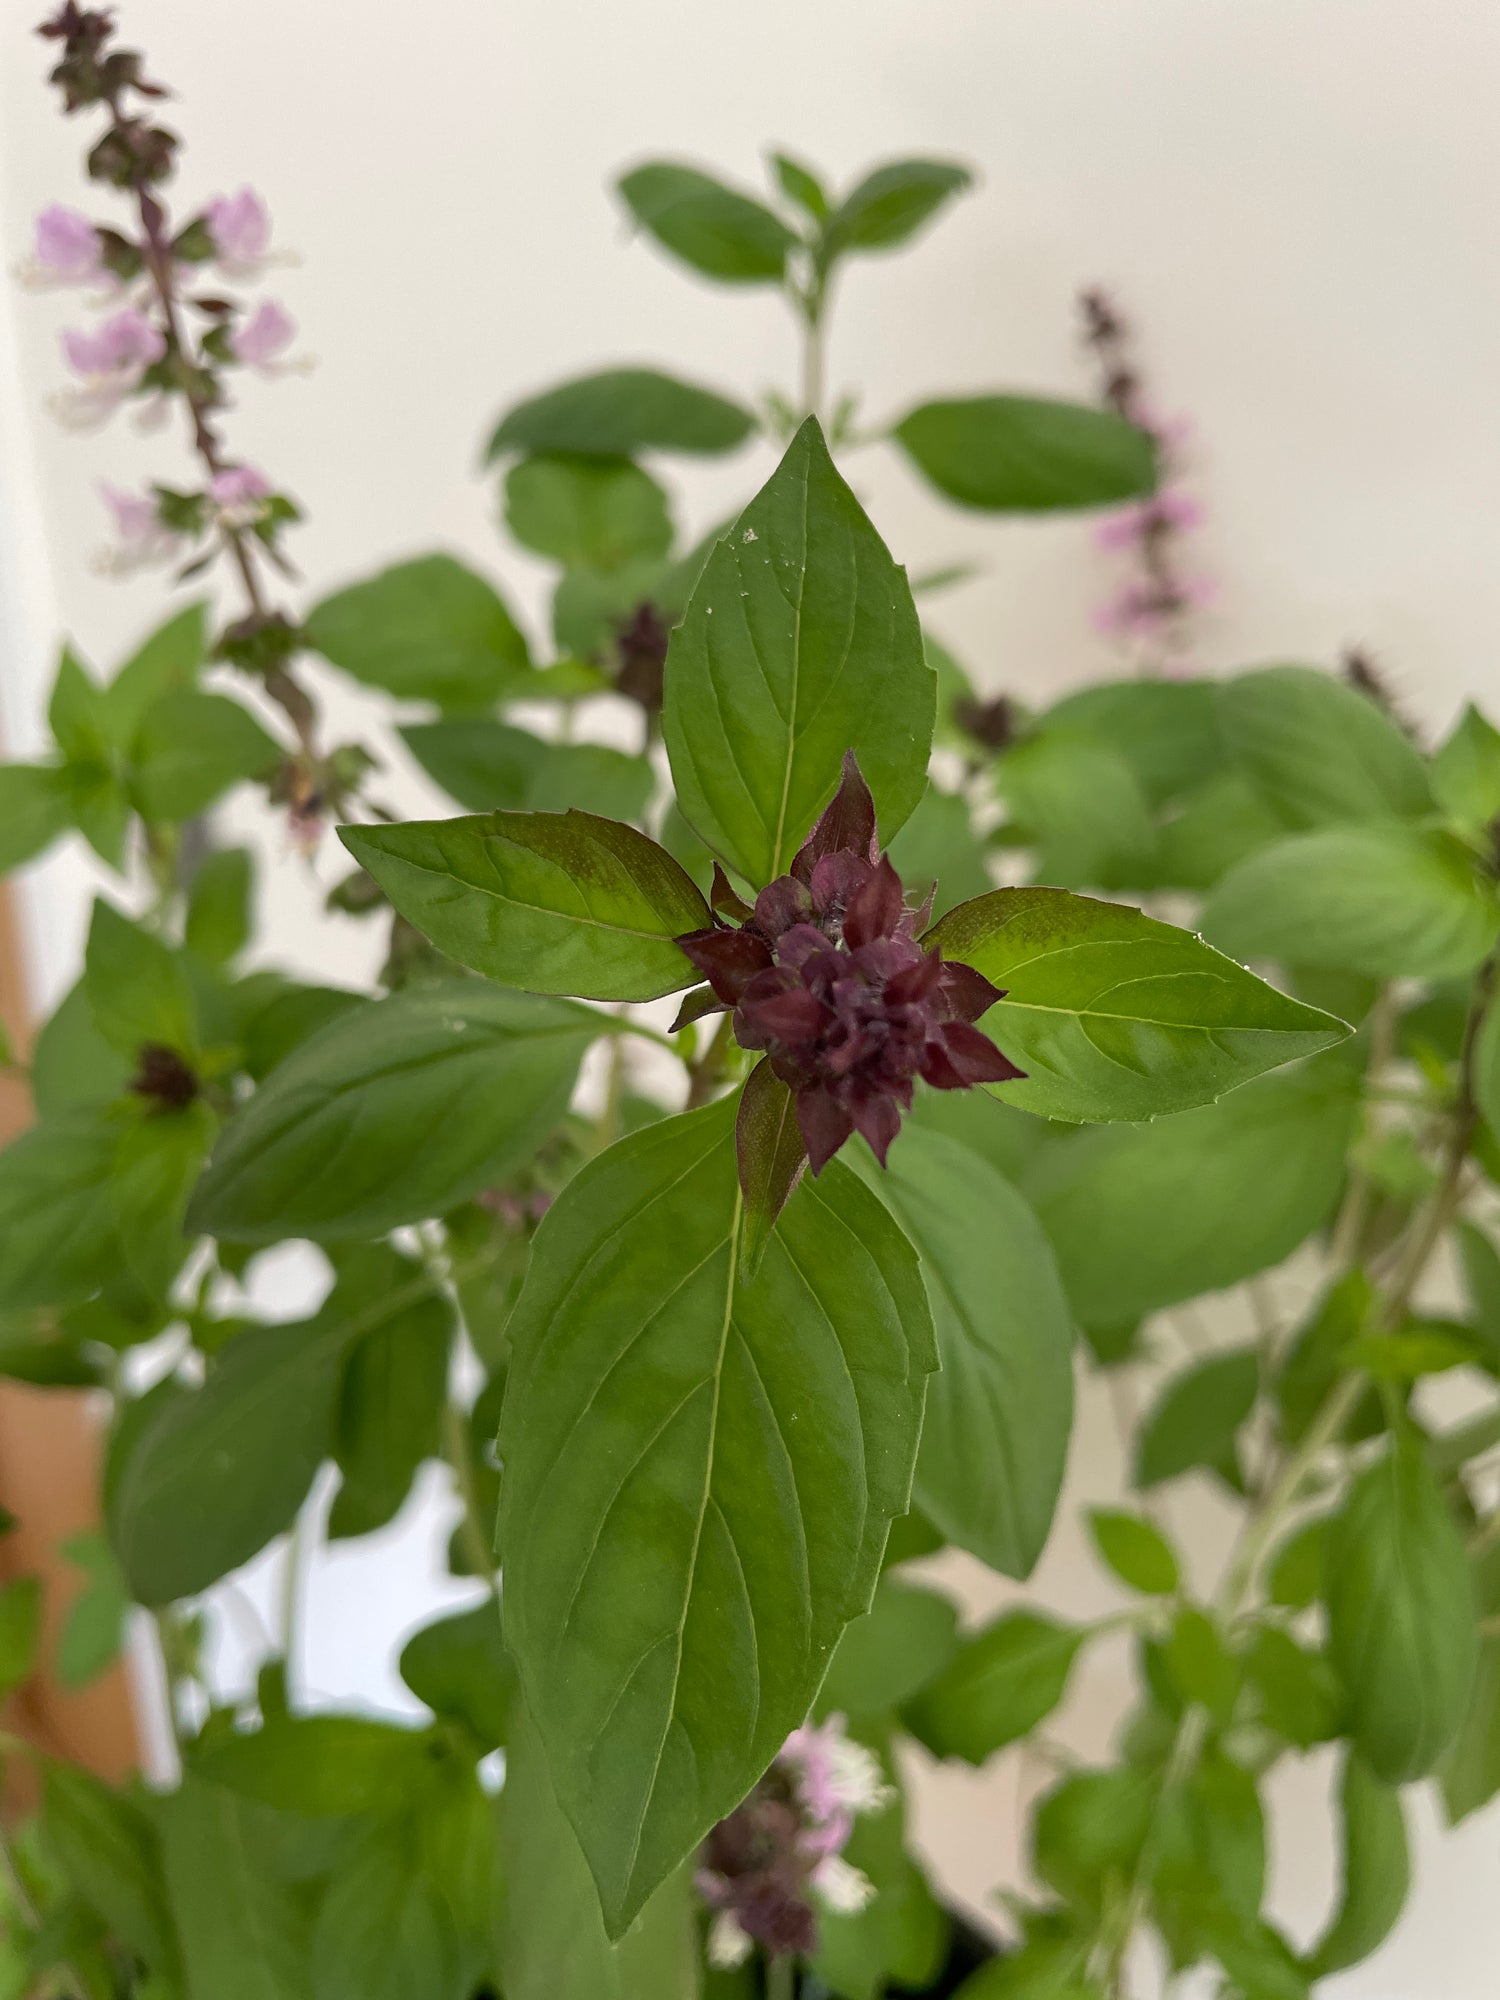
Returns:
point(1150, 610)
point(138, 350)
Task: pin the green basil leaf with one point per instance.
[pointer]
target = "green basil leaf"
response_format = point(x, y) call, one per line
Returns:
point(218, 922)
point(57, 1235)
point(204, 1479)
point(408, 1910)
point(1470, 1770)
point(157, 1161)
point(713, 228)
point(94, 1629)
point(486, 764)
point(1299, 1693)
point(1383, 899)
point(137, 987)
point(36, 806)
point(800, 184)
point(100, 807)
point(319, 1766)
point(190, 748)
point(1294, 1577)
point(1138, 1552)
point(169, 660)
point(1079, 803)
point(1167, 731)
point(1200, 1665)
point(395, 1111)
point(905, 1639)
point(1466, 774)
point(243, 1928)
point(20, 1632)
point(729, 1494)
point(72, 1066)
point(1027, 454)
point(999, 1412)
point(1089, 1830)
point(1243, 1183)
point(426, 630)
point(551, 902)
point(390, 1415)
point(553, 1944)
point(1401, 1624)
point(770, 1157)
point(1318, 751)
point(1376, 1871)
point(1116, 1016)
point(588, 513)
point(891, 204)
point(77, 715)
point(109, 1852)
point(620, 412)
point(800, 643)
point(459, 1666)
point(1196, 1420)
point(1219, 826)
point(1002, 1682)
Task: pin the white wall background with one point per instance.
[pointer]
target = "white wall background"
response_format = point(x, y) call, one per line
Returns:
point(1296, 198)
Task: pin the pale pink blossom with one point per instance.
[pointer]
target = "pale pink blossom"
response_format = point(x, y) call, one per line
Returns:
point(843, 1887)
point(111, 361)
point(262, 341)
point(142, 538)
point(240, 228)
point(239, 493)
point(1171, 509)
point(66, 251)
point(836, 1776)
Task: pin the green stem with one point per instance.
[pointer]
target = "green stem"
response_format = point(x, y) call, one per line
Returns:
point(460, 1456)
point(781, 1978)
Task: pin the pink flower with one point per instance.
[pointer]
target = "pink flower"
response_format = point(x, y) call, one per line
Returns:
point(111, 360)
point(142, 538)
point(1172, 510)
point(264, 337)
point(1146, 611)
point(240, 226)
point(66, 251)
point(238, 492)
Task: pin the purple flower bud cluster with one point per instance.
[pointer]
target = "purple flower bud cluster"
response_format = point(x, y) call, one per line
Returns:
point(826, 977)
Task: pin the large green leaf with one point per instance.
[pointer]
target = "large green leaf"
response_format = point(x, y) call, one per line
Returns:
point(1466, 774)
point(395, 1111)
point(459, 1666)
point(138, 987)
point(885, 1658)
point(1027, 454)
point(999, 1411)
point(168, 659)
point(589, 513)
point(110, 1854)
point(318, 1766)
point(1196, 1418)
point(1401, 1621)
point(1319, 751)
point(1167, 731)
point(713, 228)
point(1001, 1683)
point(1077, 800)
point(36, 805)
point(243, 1929)
point(389, 1419)
point(1376, 1870)
point(207, 1477)
point(728, 1490)
point(1114, 1015)
point(891, 203)
point(57, 1235)
point(553, 1944)
point(426, 630)
point(620, 412)
point(800, 643)
point(1142, 1216)
point(551, 902)
point(190, 748)
point(1383, 899)
point(486, 764)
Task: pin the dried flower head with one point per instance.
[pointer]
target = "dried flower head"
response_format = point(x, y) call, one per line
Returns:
point(825, 976)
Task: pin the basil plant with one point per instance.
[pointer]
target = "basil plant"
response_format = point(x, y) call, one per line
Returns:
point(925, 1070)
